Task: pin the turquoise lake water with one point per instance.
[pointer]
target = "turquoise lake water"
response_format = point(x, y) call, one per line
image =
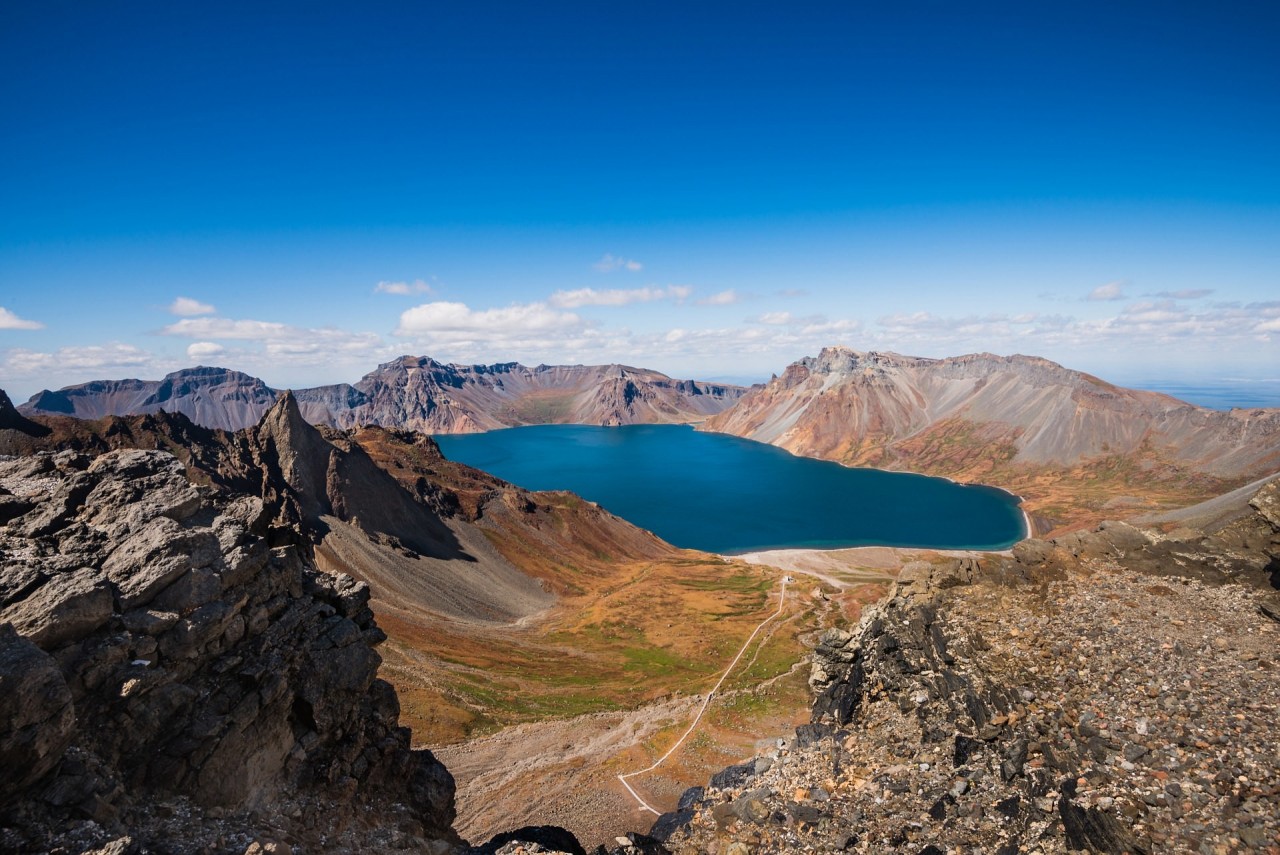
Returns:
point(724, 494)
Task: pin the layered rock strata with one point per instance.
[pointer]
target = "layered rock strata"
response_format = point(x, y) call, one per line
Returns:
point(175, 674)
point(411, 392)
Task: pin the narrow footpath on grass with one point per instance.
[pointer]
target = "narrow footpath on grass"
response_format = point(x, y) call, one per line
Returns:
point(782, 600)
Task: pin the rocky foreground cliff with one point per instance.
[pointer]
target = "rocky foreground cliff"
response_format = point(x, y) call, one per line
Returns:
point(175, 676)
point(412, 392)
point(1109, 692)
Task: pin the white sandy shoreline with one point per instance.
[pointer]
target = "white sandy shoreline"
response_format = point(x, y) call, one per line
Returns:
point(854, 565)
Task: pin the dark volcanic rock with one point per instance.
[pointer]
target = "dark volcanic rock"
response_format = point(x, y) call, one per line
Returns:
point(37, 718)
point(179, 656)
point(11, 419)
point(550, 837)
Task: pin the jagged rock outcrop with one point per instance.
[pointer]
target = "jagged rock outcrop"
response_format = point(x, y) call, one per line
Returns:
point(165, 652)
point(1107, 692)
point(417, 393)
point(12, 420)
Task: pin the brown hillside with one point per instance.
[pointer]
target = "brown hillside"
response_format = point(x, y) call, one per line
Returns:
point(1076, 448)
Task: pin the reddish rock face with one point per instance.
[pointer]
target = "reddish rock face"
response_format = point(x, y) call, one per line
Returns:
point(1065, 441)
point(844, 403)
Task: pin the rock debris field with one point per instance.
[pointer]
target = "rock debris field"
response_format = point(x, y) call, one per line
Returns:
point(1106, 711)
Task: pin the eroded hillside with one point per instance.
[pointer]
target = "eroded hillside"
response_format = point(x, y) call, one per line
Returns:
point(1077, 449)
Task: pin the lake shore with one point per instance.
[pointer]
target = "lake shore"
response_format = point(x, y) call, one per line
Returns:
point(854, 565)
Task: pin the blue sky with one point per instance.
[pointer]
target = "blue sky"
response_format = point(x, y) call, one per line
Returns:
point(712, 190)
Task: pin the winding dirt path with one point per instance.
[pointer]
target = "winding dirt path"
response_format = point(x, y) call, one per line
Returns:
point(782, 601)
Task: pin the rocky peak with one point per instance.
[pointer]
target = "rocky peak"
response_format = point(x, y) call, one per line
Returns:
point(298, 452)
point(164, 667)
point(11, 419)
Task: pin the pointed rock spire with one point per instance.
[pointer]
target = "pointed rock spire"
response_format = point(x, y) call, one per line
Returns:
point(301, 453)
point(11, 419)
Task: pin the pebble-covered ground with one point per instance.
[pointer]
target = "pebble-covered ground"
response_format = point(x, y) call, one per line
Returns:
point(1141, 716)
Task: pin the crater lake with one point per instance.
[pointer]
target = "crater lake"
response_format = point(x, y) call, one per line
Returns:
point(724, 494)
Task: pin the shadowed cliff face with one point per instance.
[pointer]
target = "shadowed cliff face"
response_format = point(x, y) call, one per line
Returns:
point(159, 656)
point(411, 392)
point(1067, 442)
point(12, 420)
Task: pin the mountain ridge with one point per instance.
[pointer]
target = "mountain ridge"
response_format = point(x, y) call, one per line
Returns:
point(415, 392)
point(1020, 422)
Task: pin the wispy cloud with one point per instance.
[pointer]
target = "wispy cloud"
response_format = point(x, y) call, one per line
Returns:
point(10, 321)
point(1184, 294)
point(725, 298)
point(115, 355)
point(186, 307)
point(1110, 291)
point(609, 262)
point(1147, 324)
point(279, 340)
point(403, 289)
point(247, 330)
point(617, 296)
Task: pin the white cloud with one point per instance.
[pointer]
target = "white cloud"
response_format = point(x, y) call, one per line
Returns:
point(417, 286)
point(1152, 326)
point(288, 343)
point(818, 328)
point(10, 321)
point(227, 328)
point(202, 350)
point(1152, 312)
point(775, 318)
point(608, 263)
point(1110, 291)
point(22, 362)
point(186, 307)
point(444, 317)
point(724, 298)
point(526, 332)
point(617, 296)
